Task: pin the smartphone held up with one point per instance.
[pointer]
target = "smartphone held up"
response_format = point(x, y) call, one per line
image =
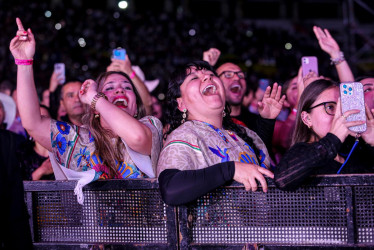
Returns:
point(309, 64)
point(59, 69)
point(119, 54)
point(352, 97)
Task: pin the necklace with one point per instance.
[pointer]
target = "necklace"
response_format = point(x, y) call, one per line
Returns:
point(218, 132)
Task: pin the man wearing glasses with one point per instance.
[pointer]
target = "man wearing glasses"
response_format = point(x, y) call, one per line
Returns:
point(234, 81)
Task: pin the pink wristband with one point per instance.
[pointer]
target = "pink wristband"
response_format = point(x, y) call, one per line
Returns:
point(132, 75)
point(23, 62)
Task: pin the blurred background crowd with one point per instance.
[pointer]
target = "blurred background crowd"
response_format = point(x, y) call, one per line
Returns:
point(267, 38)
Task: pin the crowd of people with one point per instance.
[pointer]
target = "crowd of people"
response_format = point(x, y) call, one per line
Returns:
point(214, 128)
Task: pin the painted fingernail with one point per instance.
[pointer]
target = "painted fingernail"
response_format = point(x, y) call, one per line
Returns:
point(25, 32)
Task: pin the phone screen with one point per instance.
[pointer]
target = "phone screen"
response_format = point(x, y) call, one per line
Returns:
point(119, 54)
point(59, 68)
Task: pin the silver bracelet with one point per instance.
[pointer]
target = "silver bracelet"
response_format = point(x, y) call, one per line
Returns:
point(339, 59)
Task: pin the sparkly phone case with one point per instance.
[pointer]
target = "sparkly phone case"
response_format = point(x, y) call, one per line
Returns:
point(352, 97)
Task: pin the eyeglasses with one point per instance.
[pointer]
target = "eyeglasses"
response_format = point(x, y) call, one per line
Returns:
point(330, 107)
point(230, 74)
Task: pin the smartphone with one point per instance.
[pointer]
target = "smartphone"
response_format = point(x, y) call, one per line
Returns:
point(308, 64)
point(352, 97)
point(59, 68)
point(119, 53)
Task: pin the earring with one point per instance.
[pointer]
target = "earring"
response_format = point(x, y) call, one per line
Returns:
point(223, 113)
point(184, 115)
point(97, 116)
point(309, 126)
point(136, 115)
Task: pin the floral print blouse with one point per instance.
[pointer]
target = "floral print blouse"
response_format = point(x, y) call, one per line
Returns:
point(73, 147)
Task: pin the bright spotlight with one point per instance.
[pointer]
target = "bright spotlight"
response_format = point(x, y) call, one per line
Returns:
point(58, 26)
point(123, 4)
point(82, 42)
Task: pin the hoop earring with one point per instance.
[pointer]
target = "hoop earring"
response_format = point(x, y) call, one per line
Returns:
point(184, 115)
point(223, 113)
point(97, 116)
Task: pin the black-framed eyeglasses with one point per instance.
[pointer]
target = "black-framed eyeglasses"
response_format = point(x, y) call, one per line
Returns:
point(330, 107)
point(230, 74)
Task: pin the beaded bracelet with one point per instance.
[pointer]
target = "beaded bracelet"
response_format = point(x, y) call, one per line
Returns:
point(95, 99)
point(23, 61)
point(132, 75)
point(339, 59)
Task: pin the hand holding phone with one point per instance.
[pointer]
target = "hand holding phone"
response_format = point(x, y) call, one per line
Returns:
point(309, 64)
point(352, 97)
point(59, 69)
point(119, 54)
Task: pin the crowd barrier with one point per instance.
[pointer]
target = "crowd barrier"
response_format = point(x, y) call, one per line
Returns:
point(328, 212)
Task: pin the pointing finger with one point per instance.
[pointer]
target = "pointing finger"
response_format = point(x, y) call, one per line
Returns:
point(19, 24)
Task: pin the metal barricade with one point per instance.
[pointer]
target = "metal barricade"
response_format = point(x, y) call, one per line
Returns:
point(328, 212)
point(115, 213)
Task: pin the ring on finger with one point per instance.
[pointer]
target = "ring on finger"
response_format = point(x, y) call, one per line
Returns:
point(344, 116)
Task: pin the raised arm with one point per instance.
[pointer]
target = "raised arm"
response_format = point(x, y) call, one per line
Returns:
point(331, 47)
point(23, 49)
point(136, 135)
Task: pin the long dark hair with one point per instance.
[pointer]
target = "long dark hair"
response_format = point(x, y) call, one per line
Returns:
point(109, 152)
point(310, 94)
point(173, 116)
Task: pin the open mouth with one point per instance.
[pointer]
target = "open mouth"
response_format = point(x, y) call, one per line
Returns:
point(209, 90)
point(235, 88)
point(121, 102)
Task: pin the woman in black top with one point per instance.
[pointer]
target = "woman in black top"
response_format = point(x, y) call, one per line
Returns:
point(321, 128)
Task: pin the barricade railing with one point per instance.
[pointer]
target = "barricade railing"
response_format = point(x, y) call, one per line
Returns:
point(330, 211)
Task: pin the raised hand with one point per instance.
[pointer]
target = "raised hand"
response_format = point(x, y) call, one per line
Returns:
point(120, 65)
point(88, 91)
point(22, 45)
point(211, 56)
point(311, 77)
point(327, 42)
point(247, 174)
point(340, 125)
point(272, 103)
point(54, 81)
point(368, 135)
